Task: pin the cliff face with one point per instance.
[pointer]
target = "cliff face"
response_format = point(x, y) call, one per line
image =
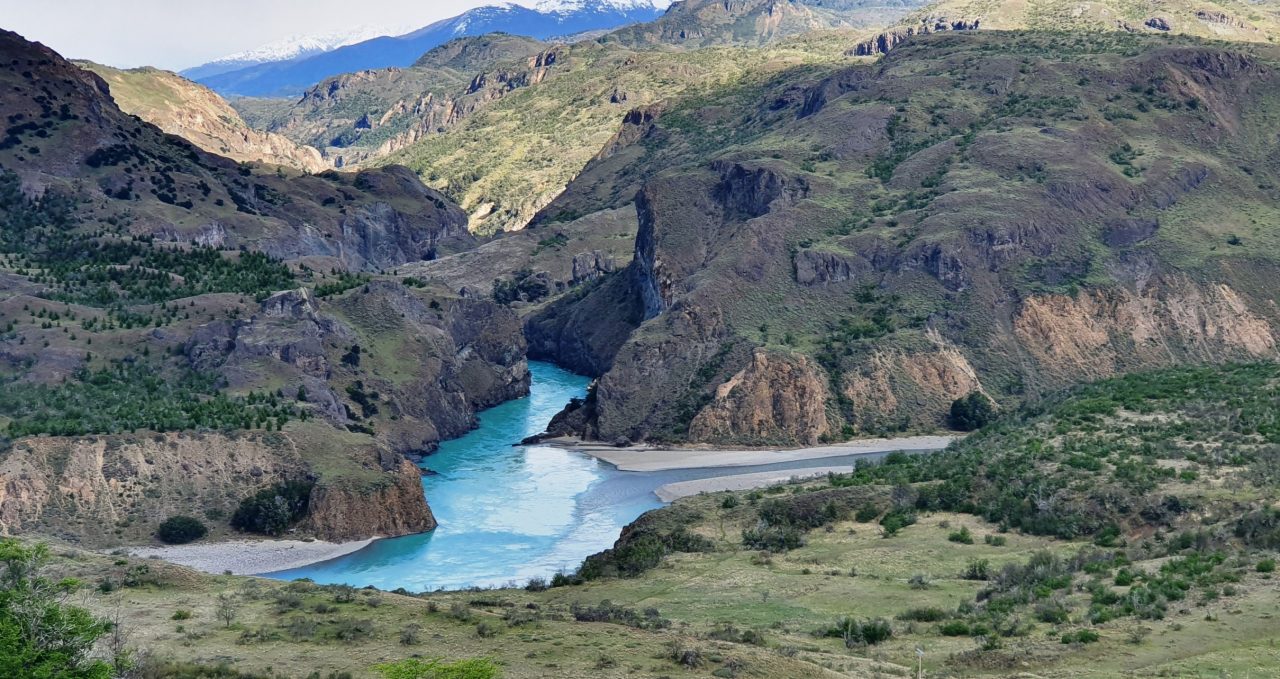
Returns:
point(427, 360)
point(197, 114)
point(393, 506)
point(104, 491)
point(854, 268)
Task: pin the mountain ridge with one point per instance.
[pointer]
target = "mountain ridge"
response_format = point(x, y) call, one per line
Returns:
point(291, 77)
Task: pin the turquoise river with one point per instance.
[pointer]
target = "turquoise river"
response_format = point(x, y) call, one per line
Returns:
point(509, 513)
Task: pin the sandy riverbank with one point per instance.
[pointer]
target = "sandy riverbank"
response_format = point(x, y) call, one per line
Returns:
point(251, 557)
point(674, 491)
point(650, 459)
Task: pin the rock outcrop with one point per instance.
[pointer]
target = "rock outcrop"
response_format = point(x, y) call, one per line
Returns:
point(390, 507)
point(883, 42)
point(196, 113)
point(777, 397)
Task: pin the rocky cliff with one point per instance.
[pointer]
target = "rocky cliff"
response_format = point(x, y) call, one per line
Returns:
point(843, 266)
point(107, 491)
point(197, 114)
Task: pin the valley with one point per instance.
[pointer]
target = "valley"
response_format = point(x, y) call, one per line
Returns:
point(604, 338)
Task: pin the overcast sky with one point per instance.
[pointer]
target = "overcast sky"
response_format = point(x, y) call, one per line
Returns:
point(177, 34)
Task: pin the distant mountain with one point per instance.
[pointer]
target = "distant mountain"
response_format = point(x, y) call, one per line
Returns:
point(548, 20)
point(291, 48)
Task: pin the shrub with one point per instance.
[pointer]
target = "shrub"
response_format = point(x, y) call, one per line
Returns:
point(772, 538)
point(867, 513)
point(995, 540)
point(435, 668)
point(857, 633)
point(978, 569)
point(1266, 566)
point(1053, 612)
point(923, 615)
point(962, 536)
point(271, 511)
point(971, 412)
point(179, 530)
point(896, 520)
point(954, 628)
point(1084, 636)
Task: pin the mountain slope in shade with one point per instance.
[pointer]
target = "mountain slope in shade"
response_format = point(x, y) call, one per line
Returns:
point(292, 77)
point(197, 114)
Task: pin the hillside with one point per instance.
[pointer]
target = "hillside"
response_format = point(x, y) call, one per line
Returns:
point(705, 23)
point(195, 113)
point(842, 577)
point(1230, 20)
point(161, 305)
point(999, 214)
point(507, 160)
point(359, 116)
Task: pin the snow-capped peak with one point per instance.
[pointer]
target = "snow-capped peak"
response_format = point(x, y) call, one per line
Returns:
point(550, 6)
point(297, 46)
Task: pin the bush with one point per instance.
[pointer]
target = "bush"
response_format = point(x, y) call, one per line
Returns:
point(995, 540)
point(1084, 636)
point(773, 538)
point(978, 569)
point(857, 633)
point(923, 615)
point(867, 513)
point(435, 668)
point(1053, 612)
point(954, 628)
point(179, 530)
point(962, 536)
point(971, 412)
point(271, 511)
point(896, 520)
point(1266, 566)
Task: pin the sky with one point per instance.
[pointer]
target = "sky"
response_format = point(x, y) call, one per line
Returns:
point(177, 34)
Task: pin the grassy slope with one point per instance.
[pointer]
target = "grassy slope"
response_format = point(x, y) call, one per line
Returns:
point(1217, 19)
point(510, 159)
point(1223, 623)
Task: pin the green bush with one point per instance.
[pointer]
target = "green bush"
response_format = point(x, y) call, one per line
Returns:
point(271, 511)
point(179, 530)
point(971, 412)
point(1266, 566)
point(962, 536)
point(435, 668)
point(954, 628)
point(40, 635)
point(1084, 636)
point(860, 632)
point(923, 615)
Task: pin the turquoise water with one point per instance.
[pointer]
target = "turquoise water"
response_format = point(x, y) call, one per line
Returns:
point(508, 513)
